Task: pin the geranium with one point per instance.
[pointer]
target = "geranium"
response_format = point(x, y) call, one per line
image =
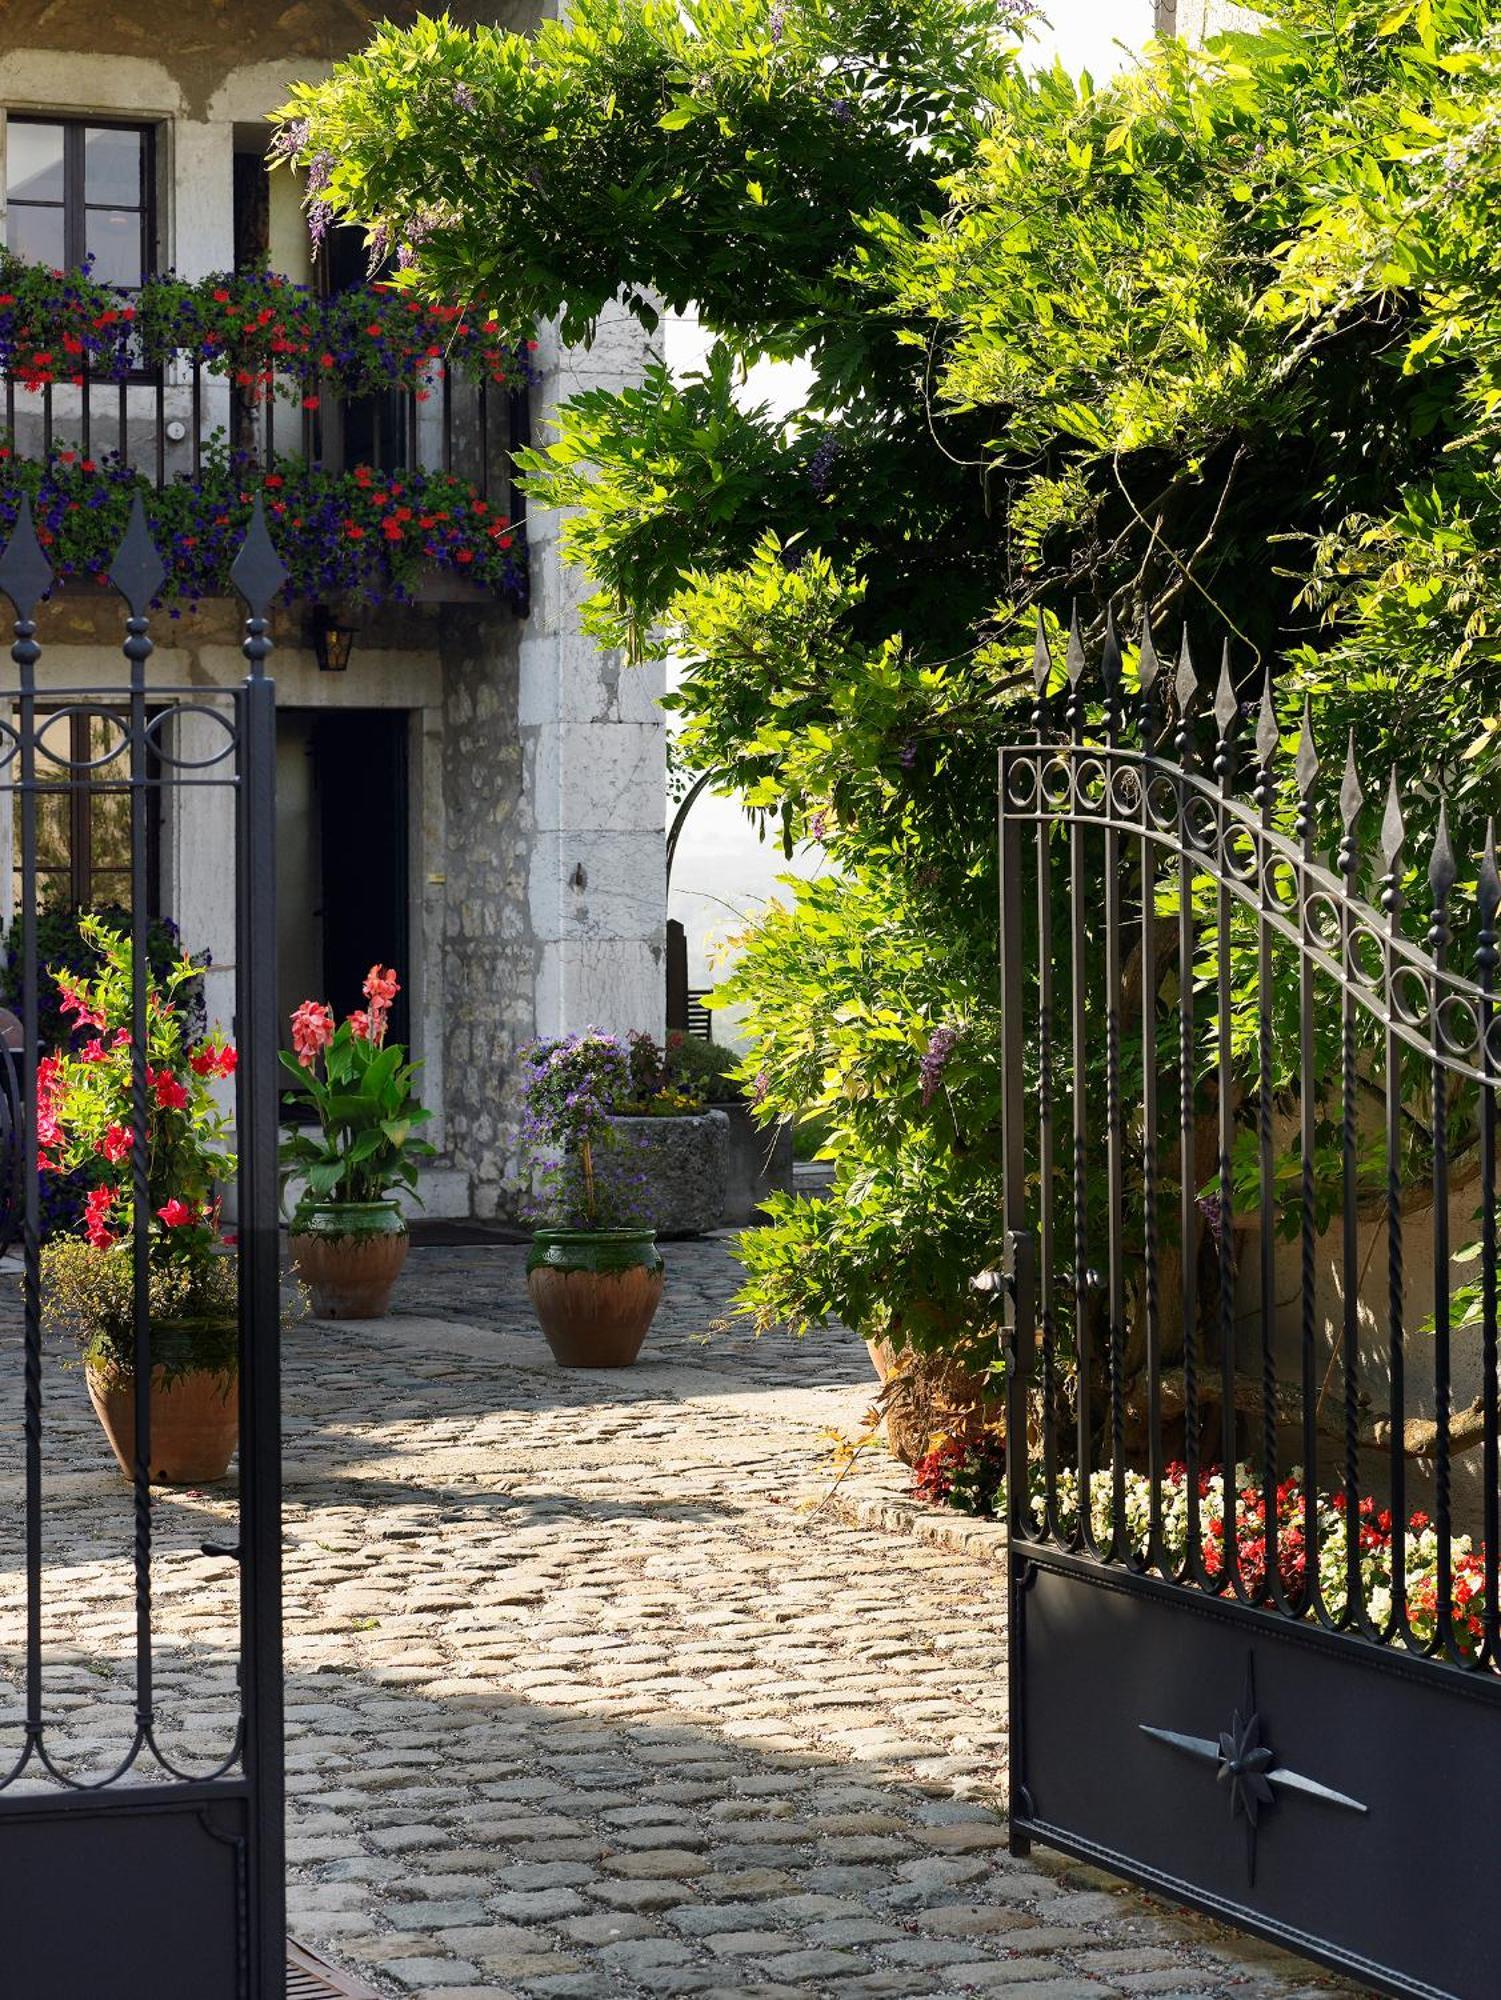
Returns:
point(363, 534)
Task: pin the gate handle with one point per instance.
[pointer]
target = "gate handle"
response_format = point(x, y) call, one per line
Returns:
point(220, 1549)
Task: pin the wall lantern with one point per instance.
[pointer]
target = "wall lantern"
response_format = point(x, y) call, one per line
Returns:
point(333, 640)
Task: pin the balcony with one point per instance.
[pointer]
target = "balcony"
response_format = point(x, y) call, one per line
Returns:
point(382, 432)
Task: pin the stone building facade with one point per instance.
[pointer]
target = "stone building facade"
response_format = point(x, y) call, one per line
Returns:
point(511, 774)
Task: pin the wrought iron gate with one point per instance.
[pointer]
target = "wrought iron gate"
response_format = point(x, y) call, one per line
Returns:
point(139, 1866)
point(1247, 1118)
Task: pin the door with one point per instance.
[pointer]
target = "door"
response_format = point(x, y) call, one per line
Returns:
point(344, 855)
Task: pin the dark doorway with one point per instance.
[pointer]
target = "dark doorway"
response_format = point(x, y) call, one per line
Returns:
point(343, 873)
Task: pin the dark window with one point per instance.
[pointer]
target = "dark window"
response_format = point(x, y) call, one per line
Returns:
point(76, 190)
point(83, 821)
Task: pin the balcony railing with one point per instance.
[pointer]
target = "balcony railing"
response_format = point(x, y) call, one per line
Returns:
point(365, 415)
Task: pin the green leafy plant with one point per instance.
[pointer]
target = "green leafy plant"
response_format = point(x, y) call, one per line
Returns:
point(365, 1139)
point(87, 1127)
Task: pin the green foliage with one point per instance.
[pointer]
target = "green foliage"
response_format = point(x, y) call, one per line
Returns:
point(89, 1294)
point(366, 1142)
point(1218, 340)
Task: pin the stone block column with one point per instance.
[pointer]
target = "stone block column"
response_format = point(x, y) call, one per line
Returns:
point(595, 749)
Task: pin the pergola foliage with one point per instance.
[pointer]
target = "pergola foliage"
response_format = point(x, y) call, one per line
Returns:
point(1215, 341)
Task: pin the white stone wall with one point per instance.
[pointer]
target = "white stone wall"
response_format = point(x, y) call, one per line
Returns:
point(596, 764)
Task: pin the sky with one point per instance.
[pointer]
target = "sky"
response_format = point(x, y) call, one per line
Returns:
point(723, 874)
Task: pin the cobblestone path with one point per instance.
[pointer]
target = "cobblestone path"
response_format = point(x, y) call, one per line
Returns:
point(592, 1689)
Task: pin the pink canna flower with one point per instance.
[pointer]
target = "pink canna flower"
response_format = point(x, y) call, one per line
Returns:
point(312, 1030)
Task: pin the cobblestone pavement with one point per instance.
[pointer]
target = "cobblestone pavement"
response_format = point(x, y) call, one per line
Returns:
point(592, 1688)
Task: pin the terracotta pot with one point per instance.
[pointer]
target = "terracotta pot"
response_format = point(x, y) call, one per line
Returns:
point(931, 1395)
point(349, 1254)
point(595, 1292)
point(195, 1421)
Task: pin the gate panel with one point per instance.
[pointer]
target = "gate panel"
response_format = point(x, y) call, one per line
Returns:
point(133, 1859)
point(1254, 1470)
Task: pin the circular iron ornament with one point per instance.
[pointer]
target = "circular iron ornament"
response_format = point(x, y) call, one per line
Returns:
point(10, 744)
point(1201, 825)
point(1240, 852)
point(156, 730)
point(1125, 792)
point(1367, 956)
point(1021, 781)
point(1162, 802)
point(1410, 997)
point(1325, 925)
point(1493, 1046)
point(1089, 784)
point(1457, 1026)
point(1281, 880)
point(63, 717)
point(1057, 782)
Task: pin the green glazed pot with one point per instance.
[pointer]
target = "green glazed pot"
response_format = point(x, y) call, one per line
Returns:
point(595, 1292)
point(349, 1254)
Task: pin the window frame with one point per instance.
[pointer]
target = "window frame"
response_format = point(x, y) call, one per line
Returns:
point(74, 204)
point(78, 786)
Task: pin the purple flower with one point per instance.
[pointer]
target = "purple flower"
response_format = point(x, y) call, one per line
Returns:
point(907, 755)
point(940, 1047)
point(843, 110)
point(777, 23)
point(821, 464)
point(464, 97)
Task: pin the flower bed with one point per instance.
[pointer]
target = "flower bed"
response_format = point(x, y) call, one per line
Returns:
point(972, 1480)
point(372, 535)
point(265, 333)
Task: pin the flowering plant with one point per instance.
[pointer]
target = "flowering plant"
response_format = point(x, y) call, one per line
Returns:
point(265, 333)
point(571, 1089)
point(971, 1478)
point(369, 534)
point(87, 1128)
point(365, 1140)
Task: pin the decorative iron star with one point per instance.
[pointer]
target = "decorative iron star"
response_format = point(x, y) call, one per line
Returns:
point(1248, 1767)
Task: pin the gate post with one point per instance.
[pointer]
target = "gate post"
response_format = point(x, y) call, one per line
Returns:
point(258, 574)
point(1020, 1323)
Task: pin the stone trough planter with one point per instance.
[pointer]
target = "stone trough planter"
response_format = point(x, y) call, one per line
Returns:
point(760, 1163)
point(686, 1164)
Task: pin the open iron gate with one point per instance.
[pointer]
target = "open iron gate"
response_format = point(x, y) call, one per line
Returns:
point(1246, 1119)
point(137, 1869)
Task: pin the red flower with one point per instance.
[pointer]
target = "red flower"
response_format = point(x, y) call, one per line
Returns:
point(72, 1002)
point(171, 1095)
point(178, 1214)
point(209, 1060)
point(96, 1210)
point(116, 1143)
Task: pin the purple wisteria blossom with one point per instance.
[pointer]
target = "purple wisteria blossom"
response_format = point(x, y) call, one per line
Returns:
point(821, 465)
point(941, 1045)
point(464, 97)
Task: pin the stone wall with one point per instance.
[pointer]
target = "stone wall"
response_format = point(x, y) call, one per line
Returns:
point(489, 953)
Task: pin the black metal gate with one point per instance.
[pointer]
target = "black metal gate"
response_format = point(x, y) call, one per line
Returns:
point(135, 1866)
point(1250, 1126)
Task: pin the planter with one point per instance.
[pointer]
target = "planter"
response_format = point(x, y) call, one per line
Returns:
point(685, 1162)
point(929, 1396)
point(595, 1292)
point(195, 1421)
point(349, 1255)
point(758, 1163)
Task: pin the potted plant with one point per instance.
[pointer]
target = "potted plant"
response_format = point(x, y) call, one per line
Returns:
point(86, 1128)
point(595, 1273)
point(349, 1236)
